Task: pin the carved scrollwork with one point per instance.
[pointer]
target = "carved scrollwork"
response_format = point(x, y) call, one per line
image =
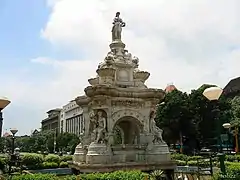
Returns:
point(127, 103)
point(98, 102)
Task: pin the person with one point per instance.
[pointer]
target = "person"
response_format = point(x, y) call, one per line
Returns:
point(117, 27)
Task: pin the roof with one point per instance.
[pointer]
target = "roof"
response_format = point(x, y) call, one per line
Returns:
point(6, 134)
point(232, 86)
point(56, 109)
point(170, 88)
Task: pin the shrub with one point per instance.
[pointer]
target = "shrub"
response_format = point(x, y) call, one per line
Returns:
point(192, 163)
point(234, 168)
point(32, 160)
point(118, 175)
point(3, 162)
point(193, 158)
point(73, 177)
point(227, 176)
point(66, 158)
point(49, 165)
point(35, 177)
point(231, 158)
point(237, 157)
point(52, 158)
point(204, 163)
point(181, 163)
point(181, 157)
point(63, 164)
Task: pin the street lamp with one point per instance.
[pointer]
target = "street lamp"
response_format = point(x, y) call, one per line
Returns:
point(227, 126)
point(3, 103)
point(213, 94)
point(13, 155)
point(234, 133)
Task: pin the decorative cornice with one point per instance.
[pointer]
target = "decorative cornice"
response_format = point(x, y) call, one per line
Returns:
point(82, 100)
point(122, 92)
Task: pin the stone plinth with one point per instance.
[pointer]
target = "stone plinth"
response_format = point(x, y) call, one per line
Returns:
point(80, 154)
point(151, 166)
point(98, 154)
point(158, 153)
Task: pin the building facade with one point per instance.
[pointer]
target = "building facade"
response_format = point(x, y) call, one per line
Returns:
point(52, 121)
point(232, 89)
point(72, 120)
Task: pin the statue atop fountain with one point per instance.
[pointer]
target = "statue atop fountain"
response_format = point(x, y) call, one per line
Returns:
point(119, 112)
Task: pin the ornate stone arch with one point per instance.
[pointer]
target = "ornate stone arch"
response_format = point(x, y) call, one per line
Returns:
point(123, 113)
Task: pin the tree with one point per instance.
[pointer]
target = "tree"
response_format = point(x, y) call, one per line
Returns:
point(175, 118)
point(235, 110)
point(67, 142)
point(44, 141)
point(208, 116)
point(193, 116)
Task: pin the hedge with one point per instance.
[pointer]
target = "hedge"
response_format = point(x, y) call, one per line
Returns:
point(118, 175)
point(38, 161)
point(32, 160)
point(52, 158)
point(35, 177)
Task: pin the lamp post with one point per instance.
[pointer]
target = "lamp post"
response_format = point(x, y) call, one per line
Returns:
point(235, 133)
point(213, 94)
point(227, 126)
point(3, 103)
point(12, 157)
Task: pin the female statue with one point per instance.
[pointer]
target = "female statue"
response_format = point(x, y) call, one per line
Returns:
point(117, 27)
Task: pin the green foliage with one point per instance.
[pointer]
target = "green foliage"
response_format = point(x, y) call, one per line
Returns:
point(63, 164)
point(66, 158)
point(181, 163)
point(234, 168)
point(3, 162)
point(49, 165)
point(233, 172)
point(192, 117)
point(231, 158)
point(194, 158)
point(35, 177)
point(157, 174)
point(219, 176)
point(32, 160)
point(43, 141)
point(52, 158)
point(235, 102)
point(67, 142)
point(174, 116)
point(192, 163)
point(181, 157)
point(118, 175)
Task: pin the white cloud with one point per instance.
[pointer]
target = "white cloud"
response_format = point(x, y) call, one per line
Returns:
point(185, 42)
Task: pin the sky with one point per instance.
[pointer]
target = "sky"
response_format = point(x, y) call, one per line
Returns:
point(50, 48)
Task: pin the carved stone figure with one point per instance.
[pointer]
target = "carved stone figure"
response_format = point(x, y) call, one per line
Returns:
point(156, 131)
point(117, 27)
point(100, 127)
point(135, 60)
point(93, 121)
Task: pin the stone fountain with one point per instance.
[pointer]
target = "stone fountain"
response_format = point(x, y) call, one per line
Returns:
point(119, 111)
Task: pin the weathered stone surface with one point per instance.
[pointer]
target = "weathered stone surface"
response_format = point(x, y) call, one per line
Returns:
point(119, 112)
